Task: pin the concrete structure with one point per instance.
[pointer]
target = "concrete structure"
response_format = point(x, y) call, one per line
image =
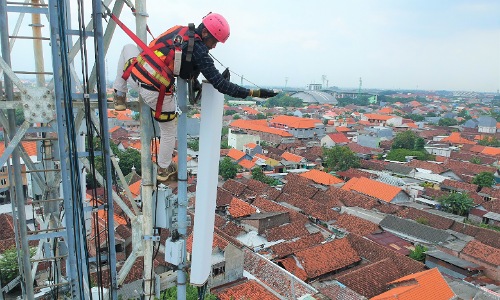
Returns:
point(237, 139)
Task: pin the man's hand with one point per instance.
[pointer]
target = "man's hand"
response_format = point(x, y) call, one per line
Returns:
point(262, 93)
point(226, 74)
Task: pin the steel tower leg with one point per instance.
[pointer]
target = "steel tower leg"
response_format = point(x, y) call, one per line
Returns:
point(18, 209)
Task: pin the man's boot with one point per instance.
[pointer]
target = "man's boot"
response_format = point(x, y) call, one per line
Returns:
point(168, 174)
point(120, 102)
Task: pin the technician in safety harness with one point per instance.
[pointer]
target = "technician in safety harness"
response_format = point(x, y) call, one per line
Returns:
point(180, 51)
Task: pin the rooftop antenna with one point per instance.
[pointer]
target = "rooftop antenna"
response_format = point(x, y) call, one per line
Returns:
point(359, 88)
point(286, 81)
point(323, 77)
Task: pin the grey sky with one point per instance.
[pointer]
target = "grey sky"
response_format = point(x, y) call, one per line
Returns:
point(390, 44)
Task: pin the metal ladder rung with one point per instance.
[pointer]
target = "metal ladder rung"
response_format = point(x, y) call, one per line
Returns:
point(48, 258)
point(27, 3)
point(50, 285)
point(21, 37)
point(33, 73)
point(47, 200)
point(88, 33)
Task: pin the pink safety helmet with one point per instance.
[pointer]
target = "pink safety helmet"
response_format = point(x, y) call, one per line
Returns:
point(217, 26)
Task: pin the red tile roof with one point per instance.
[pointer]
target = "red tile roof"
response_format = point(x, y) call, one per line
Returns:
point(483, 252)
point(373, 188)
point(356, 225)
point(291, 157)
point(455, 138)
point(236, 154)
point(247, 164)
point(321, 177)
point(327, 257)
point(378, 117)
point(339, 138)
point(250, 289)
point(424, 285)
point(295, 122)
point(259, 125)
point(239, 208)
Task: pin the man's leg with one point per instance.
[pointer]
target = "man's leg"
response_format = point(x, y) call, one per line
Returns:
point(120, 85)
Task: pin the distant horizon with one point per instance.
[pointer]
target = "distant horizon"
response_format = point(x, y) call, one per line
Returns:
point(31, 77)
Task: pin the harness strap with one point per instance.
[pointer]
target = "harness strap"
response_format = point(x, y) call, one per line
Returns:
point(190, 44)
point(159, 102)
point(129, 66)
point(164, 116)
point(139, 42)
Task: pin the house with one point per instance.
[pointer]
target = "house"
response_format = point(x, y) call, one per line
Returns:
point(261, 222)
point(260, 128)
point(428, 284)
point(382, 191)
point(382, 120)
point(246, 289)
point(252, 149)
point(334, 139)
point(321, 177)
point(237, 139)
point(238, 155)
point(301, 128)
point(227, 258)
point(414, 231)
point(486, 256)
point(451, 265)
point(293, 161)
point(118, 133)
point(486, 124)
point(321, 260)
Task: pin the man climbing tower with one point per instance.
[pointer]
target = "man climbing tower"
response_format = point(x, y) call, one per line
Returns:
point(180, 51)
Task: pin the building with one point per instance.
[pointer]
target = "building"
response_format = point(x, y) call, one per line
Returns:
point(301, 128)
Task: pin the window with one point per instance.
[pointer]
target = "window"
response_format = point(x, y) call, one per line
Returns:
point(3, 181)
point(218, 269)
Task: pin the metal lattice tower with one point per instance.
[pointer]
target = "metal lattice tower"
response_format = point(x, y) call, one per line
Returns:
point(60, 109)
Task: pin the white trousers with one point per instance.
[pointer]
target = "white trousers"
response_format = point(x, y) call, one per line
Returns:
point(168, 130)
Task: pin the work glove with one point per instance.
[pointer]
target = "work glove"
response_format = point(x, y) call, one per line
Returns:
point(226, 74)
point(262, 93)
point(194, 91)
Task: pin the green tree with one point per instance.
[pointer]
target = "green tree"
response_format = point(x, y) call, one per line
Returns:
point(475, 160)
point(128, 159)
point(194, 144)
point(456, 203)
point(418, 253)
point(229, 112)
point(227, 169)
point(340, 158)
point(19, 116)
point(414, 117)
point(408, 140)
point(484, 179)
point(258, 174)
point(236, 117)
point(260, 116)
point(191, 294)
point(447, 122)
point(9, 264)
point(401, 154)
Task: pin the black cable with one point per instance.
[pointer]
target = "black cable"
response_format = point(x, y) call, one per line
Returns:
point(241, 76)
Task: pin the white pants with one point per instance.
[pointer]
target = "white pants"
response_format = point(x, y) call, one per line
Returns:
point(168, 130)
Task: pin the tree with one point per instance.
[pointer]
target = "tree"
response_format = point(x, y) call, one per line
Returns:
point(261, 116)
point(258, 174)
point(236, 117)
point(456, 203)
point(340, 158)
point(227, 169)
point(194, 144)
point(191, 293)
point(19, 116)
point(128, 159)
point(418, 253)
point(9, 264)
point(475, 160)
point(408, 140)
point(401, 154)
point(484, 179)
point(447, 122)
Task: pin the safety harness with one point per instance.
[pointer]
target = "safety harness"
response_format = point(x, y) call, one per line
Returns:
point(157, 65)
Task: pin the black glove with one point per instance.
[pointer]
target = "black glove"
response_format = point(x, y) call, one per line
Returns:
point(194, 91)
point(226, 74)
point(263, 93)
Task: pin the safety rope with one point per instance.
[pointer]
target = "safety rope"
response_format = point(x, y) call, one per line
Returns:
point(240, 76)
